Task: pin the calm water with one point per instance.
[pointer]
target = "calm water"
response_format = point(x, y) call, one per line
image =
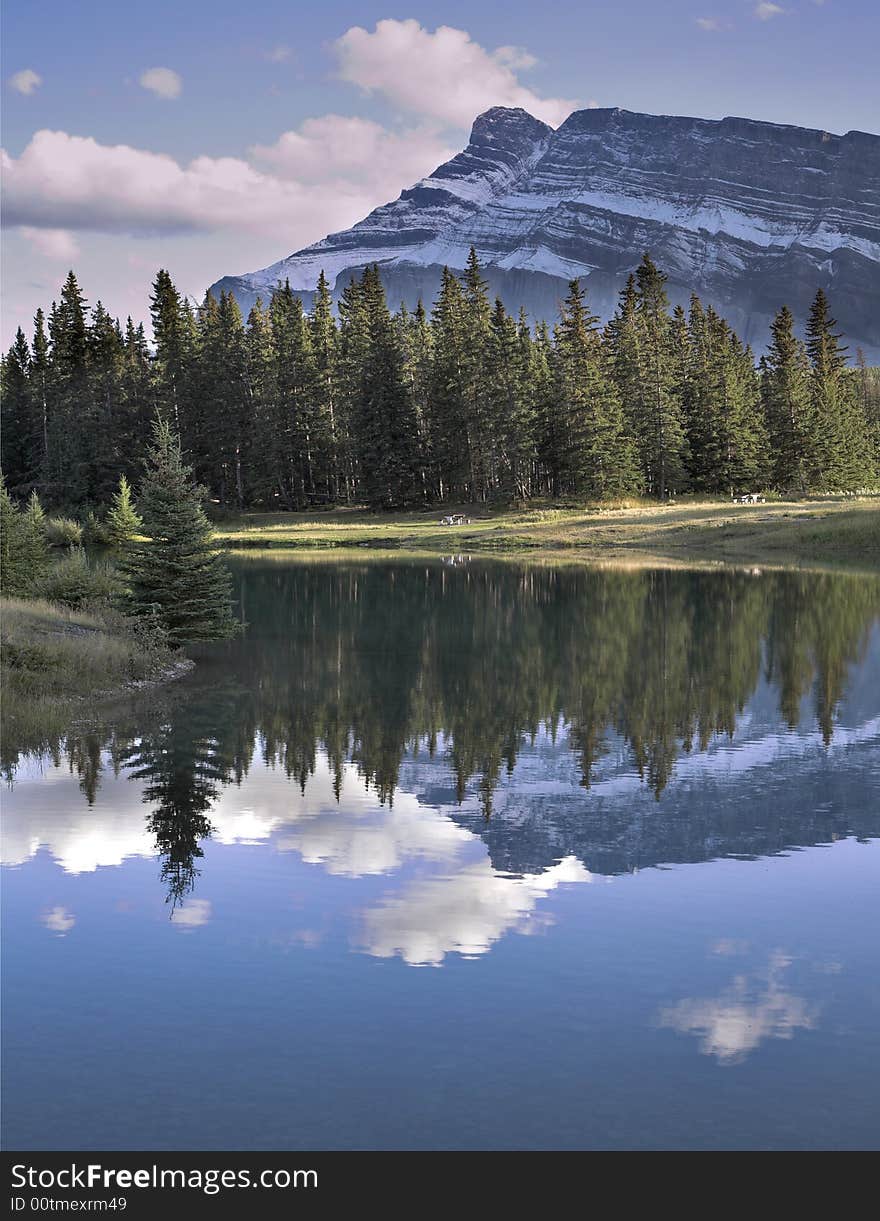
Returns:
point(462, 855)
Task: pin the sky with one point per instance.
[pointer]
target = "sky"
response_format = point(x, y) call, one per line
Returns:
point(214, 138)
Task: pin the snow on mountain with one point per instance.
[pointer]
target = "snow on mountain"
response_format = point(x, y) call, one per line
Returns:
point(750, 215)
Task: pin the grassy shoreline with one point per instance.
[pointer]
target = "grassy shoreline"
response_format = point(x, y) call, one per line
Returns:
point(58, 662)
point(836, 531)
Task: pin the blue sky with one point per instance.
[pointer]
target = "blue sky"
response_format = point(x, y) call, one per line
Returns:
point(215, 138)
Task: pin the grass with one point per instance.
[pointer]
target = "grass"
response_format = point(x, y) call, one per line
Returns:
point(842, 530)
point(55, 660)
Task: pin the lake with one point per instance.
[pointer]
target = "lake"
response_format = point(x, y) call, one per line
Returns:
point(463, 854)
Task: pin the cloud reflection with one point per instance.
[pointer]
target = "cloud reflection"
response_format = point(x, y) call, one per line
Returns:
point(463, 913)
point(59, 920)
point(754, 1008)
point(192, 913)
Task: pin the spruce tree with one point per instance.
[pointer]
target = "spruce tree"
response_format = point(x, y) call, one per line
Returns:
point(260, 402)
point(174, 336)
point(104, 424)
point(840, 457)
point(325, 340)
point(70, 418)
point(24, 554)
point(39, 377)
point(450, 427)
point(549, 431)
point(657, 414)
point(386, 421)
point(417, 345)
point(480, 424)
point(785, 389)
point(597, 459)
point(123, 520)
point(19, 437)
point(176, 579)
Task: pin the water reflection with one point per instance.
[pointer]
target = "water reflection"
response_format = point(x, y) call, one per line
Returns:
point(462, 913)
point(755, 1007)
point(512, 728)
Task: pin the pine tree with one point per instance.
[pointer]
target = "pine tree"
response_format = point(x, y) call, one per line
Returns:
point(785, 388)
point(104, 424)
point(19, 436)
point(549, 431)
point(24, 554)
point(657, 415)
point(417, 345)
point(385, 421)
point(220, 402)
point(136, 392)
point(174, 336)
point(39, 376)
point(840, 457)
point(260, 387)
point(176, 580)
point(123, 520)
point(351, 355)
point(449, 426)
point(597, 459)
point(14, 576)
point(480, 423)
point(508, 411)
point(69, 420)
point(328, 437)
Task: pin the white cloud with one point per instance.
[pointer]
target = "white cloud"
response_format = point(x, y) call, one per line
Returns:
point(325, 175)
point(25, 81)
point(712, 24)
point(337, 146)
point(765, 11)
point(59, 920)
point(279, 54)
point(515, 58)
point(52, 243)
point(164, 82)
point(444, 75)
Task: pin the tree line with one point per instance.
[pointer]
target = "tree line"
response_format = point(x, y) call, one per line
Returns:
point(293, 408)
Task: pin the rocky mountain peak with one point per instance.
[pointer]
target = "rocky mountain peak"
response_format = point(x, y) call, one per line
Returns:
point(749, 214)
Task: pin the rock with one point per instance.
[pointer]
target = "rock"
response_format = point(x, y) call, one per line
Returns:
point(749, 215)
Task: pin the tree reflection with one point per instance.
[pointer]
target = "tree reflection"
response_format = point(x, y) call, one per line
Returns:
point(376, 662)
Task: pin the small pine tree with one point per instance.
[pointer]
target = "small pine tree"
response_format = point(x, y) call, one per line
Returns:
point(24, 553)
point(175, 578)
point(123, 520)
point(37, 544)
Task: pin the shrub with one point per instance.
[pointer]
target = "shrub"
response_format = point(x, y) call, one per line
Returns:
point(63, 532)
point(76, 583)
point(96, 531)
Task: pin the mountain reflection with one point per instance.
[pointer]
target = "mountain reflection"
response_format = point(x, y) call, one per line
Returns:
point(571, 720)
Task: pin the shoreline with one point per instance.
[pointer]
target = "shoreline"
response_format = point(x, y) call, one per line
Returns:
point(835, 532)
point(63, 667)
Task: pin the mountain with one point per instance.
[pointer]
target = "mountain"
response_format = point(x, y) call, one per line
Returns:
point(749, 215)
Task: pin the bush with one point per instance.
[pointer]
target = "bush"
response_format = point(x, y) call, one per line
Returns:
point(95, 531)
point(63, 532)
point(76, 583)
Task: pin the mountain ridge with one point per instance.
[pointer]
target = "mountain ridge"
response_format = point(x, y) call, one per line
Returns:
point(749, 214)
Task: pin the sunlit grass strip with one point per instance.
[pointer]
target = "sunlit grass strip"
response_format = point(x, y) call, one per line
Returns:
point(842, 530)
